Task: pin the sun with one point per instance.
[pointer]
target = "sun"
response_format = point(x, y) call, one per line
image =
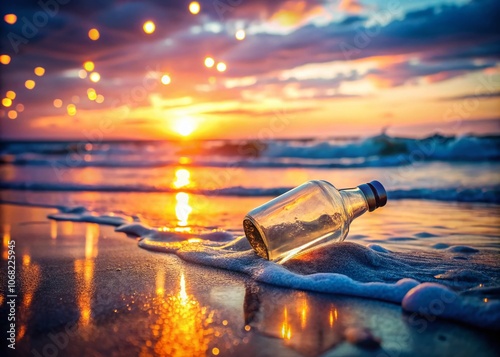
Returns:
point(184, 126)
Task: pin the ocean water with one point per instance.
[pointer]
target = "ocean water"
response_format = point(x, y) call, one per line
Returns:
point(434, 248)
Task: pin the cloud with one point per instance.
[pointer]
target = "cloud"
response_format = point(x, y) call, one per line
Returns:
point(350, 6)
point(400, 73)
point(472, 96)
point(434, 42)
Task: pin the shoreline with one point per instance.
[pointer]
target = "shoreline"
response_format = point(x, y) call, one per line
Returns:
point(112, 292)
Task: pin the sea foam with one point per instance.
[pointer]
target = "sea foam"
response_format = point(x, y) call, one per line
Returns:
point(429, 283)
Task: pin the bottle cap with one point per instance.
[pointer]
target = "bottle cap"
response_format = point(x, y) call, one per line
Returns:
point(375, 194)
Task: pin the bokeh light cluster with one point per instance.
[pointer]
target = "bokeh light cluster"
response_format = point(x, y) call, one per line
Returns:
point(88, 72)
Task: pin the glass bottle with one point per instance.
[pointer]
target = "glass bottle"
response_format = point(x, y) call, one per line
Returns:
point(308, 215)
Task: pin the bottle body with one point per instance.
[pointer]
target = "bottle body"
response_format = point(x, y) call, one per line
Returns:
point(308, 215)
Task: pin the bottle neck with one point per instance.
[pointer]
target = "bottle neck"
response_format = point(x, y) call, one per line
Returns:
point(355, 202)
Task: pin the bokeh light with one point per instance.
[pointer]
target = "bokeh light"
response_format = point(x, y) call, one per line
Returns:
point(82, 73)
point(99, 99)
point(6, 102)
point(20, 107)
point(71, 108)
point(91, 93)
point(240, 35)
point(209, 62)
point(58, 103)
point(11, 94)
point(95, 77)
point(89, 66)
point(165, 79)
point(94, 34)
point(221, 66)
point(75, 99)
point(12, 114)
point(30, 84)
point(5, 59)
point(194, 7)
point(149, 27)
point(10, 19)
point(39, 71)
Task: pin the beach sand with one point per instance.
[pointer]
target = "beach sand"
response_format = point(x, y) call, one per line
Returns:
point(83, 289)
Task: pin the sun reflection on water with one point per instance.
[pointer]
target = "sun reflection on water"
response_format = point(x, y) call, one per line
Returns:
point(182, 208)
point(30, 272)
point(5, 241)
point(182, 325)
point(84, 270)
point(53, 229)
point(182, 178)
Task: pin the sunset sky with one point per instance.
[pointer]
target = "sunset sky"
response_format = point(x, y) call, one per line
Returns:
point(275, 68)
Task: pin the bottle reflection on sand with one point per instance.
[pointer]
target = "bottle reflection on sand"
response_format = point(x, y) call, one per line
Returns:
point(306, 323)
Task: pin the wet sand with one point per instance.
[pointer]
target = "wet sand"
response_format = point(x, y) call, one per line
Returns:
point(83, 289)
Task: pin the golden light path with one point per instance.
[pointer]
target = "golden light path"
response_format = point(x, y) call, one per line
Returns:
point(182, 325)
point(182, 208)
point(182, 177)
point(30, 272)
point(84, 270)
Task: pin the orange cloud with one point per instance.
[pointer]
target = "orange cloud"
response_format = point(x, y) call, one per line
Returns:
point(351, 6)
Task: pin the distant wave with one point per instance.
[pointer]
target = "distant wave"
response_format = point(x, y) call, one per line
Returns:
point(257, 163)
point(436, 147)
point(485, 195)
point(377, 151)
